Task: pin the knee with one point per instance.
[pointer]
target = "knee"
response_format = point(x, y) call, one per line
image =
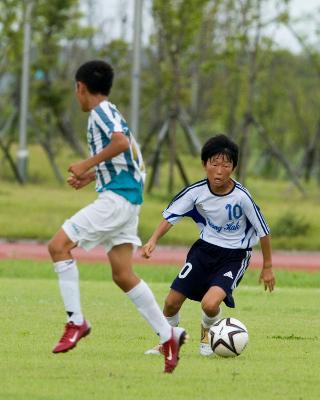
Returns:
point(119, 278)
point(55, 248)
point(211, 308)
point(51, 248)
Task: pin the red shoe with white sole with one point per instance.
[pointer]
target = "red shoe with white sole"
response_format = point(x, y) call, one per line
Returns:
point(171, 348)
point(71, 336)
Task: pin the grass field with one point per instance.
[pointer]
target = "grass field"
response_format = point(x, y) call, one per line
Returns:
point(280, 362)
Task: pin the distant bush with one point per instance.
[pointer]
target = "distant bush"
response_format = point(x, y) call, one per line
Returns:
point(290, 225)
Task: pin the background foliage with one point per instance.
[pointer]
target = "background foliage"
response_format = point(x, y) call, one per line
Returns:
point(215, 62)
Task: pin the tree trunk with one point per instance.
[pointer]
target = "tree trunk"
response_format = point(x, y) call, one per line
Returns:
point(69, 134)
point(279, 155)
point(50, 154)
point(244, 149)
point(310, 154)
point(12, 164)
point(172, 151)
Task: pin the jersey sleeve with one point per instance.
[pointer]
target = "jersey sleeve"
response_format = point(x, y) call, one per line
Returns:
point(179, 207)
point(254, 215)
point(106, 120)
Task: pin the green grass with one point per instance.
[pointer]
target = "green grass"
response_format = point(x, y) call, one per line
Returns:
point(150, 273)
point(37, 210)
point(280, 362)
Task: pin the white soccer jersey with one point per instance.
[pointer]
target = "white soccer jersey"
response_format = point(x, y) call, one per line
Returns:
point(232, 220)
point(125, 173)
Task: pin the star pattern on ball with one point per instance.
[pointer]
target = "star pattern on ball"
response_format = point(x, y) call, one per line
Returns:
point(232, 330)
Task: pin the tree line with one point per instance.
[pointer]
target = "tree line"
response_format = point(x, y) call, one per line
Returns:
point(208, 67)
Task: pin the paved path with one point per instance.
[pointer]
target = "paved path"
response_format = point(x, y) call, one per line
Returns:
point(302, 261)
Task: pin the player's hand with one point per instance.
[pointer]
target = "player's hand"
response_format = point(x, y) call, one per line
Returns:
point(147, 249)
point(79, 168)
point(267, 278)
point(78, 183)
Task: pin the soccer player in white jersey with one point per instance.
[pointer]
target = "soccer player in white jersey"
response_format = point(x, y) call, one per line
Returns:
point(116, 165)
point(230, 223)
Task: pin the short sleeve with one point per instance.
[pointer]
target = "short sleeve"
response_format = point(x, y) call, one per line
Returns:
point(254, 215)
point(106, 120)
point(179, 207)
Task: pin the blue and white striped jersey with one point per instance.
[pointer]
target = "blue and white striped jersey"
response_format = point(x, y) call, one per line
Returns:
point(125, 173)
point(231, 221)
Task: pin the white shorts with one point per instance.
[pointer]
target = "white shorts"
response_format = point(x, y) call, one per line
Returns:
point(110, 220)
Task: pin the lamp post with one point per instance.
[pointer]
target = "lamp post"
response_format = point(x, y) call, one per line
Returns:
point(136, 66)
point(22, 154)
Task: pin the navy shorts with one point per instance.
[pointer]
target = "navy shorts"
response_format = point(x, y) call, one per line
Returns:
point(208, 265)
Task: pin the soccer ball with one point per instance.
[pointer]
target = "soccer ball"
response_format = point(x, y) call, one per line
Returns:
point(228, 337)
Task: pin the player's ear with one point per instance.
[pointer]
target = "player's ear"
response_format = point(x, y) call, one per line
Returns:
point(81, 87)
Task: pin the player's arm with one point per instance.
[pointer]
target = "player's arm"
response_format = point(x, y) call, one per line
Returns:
point(266, 275)
point(118, 144)
point(257, 220)
point(182, 203)
point(160, 231)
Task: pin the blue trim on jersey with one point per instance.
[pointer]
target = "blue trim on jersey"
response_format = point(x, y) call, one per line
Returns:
point(262, 217)
point(248, 226)
point(128, 158)
point(249, 240)
point(127, 153)
point(221, 195)
point(113, 110)
point(105, 141)
point(186, 189)
point(257, 210)
point(104, 117)
point(172, 216)
point(94, 151)
point(196, 216)
point(126, 186)
point(125, 127)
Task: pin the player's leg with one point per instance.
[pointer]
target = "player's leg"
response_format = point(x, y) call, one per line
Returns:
point(172, 305)
point(65, 266)
point(60, 246)
point(140, 294)
point(137, 290)
point(211, 313)
point(232, 265)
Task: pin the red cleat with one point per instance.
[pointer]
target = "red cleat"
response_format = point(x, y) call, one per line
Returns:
point(71, 336)
point(171, 349)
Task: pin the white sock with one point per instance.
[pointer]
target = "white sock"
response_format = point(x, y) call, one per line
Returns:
point(174, 320)
point(144, 300)
point(207, 321)
point(69, 287)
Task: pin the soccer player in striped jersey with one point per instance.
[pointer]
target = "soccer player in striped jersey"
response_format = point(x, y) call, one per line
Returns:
point(229, 223)
point(116, 165)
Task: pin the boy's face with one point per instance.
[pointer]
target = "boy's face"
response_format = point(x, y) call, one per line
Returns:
point(82, 95)
point(218, 169)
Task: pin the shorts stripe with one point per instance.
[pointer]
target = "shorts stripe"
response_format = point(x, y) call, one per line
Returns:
point(244, 265)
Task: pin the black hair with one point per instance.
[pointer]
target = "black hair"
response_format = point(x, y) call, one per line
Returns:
point(220, 145)
point(97, 75)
